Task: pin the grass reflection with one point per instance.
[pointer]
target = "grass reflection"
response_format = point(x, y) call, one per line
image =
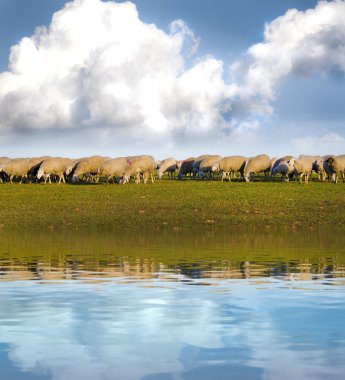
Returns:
point(236, 253)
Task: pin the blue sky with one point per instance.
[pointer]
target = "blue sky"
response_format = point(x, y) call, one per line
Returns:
point(299, 110)
point(225, 26)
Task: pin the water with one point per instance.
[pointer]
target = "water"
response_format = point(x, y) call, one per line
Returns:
point(172, 305)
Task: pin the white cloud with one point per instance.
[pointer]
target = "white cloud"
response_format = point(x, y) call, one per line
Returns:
point(98, 65)
point(330, 143)
point(99, 69)
point(299, 42)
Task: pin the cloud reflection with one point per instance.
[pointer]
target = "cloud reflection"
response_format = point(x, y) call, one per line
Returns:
point(74, 330)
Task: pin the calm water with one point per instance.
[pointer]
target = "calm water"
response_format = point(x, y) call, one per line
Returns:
point(172, 305)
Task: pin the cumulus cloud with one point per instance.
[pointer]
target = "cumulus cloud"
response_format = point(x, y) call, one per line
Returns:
point(98, 68)
point(297, 43)
point(97, 64)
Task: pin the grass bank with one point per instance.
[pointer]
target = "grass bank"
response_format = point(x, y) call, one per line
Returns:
point(172, 204)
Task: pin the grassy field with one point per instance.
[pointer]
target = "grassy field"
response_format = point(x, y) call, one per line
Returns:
point(172, 205)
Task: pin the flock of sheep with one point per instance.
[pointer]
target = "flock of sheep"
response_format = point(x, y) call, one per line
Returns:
point(141, 168)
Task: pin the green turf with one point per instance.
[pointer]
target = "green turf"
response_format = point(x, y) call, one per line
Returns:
point(172, 204)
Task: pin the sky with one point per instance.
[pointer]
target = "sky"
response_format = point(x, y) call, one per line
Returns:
point(172, 77)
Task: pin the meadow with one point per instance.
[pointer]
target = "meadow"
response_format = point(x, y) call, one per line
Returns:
point(169, 204)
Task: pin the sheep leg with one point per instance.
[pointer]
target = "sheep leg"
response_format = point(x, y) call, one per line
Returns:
point(145, 177)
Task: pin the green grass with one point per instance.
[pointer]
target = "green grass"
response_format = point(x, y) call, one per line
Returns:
point(170, 204)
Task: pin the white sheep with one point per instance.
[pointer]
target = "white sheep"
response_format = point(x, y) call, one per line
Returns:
point(168, 165)
point(284, 169)
point(302, 167)
point(206, 164)
point(17, 167)
point(53, 166)
point(336, 164)
point(258, 164)
point(186, 167)
point(89, 167)
point(113, 168)
point(230, 165)
point(196, 164)
point(138, 166)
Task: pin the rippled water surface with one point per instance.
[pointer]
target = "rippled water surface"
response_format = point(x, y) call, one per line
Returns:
point(172, 305)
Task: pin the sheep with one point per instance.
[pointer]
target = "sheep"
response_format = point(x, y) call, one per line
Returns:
point(35, 163)
point(277, 161)
point(317, 165)
point(3, 160)
point(186, 167)
point(324, 168)
point(258, 164)
point(230, 164)
point(301, 166)
point(284, 169)
point(32, 164)
point(196, 164)
point(115, 167)
point(168, 165)
point(206, 165)
point(89, 167)
point(137, 166)
point(17, 167)
point(53, 166)
point(71, 168)
point(336, 165)
point(321, 167)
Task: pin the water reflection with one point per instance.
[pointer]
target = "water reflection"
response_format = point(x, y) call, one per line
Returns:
point(67, 255)
point(172, 306)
